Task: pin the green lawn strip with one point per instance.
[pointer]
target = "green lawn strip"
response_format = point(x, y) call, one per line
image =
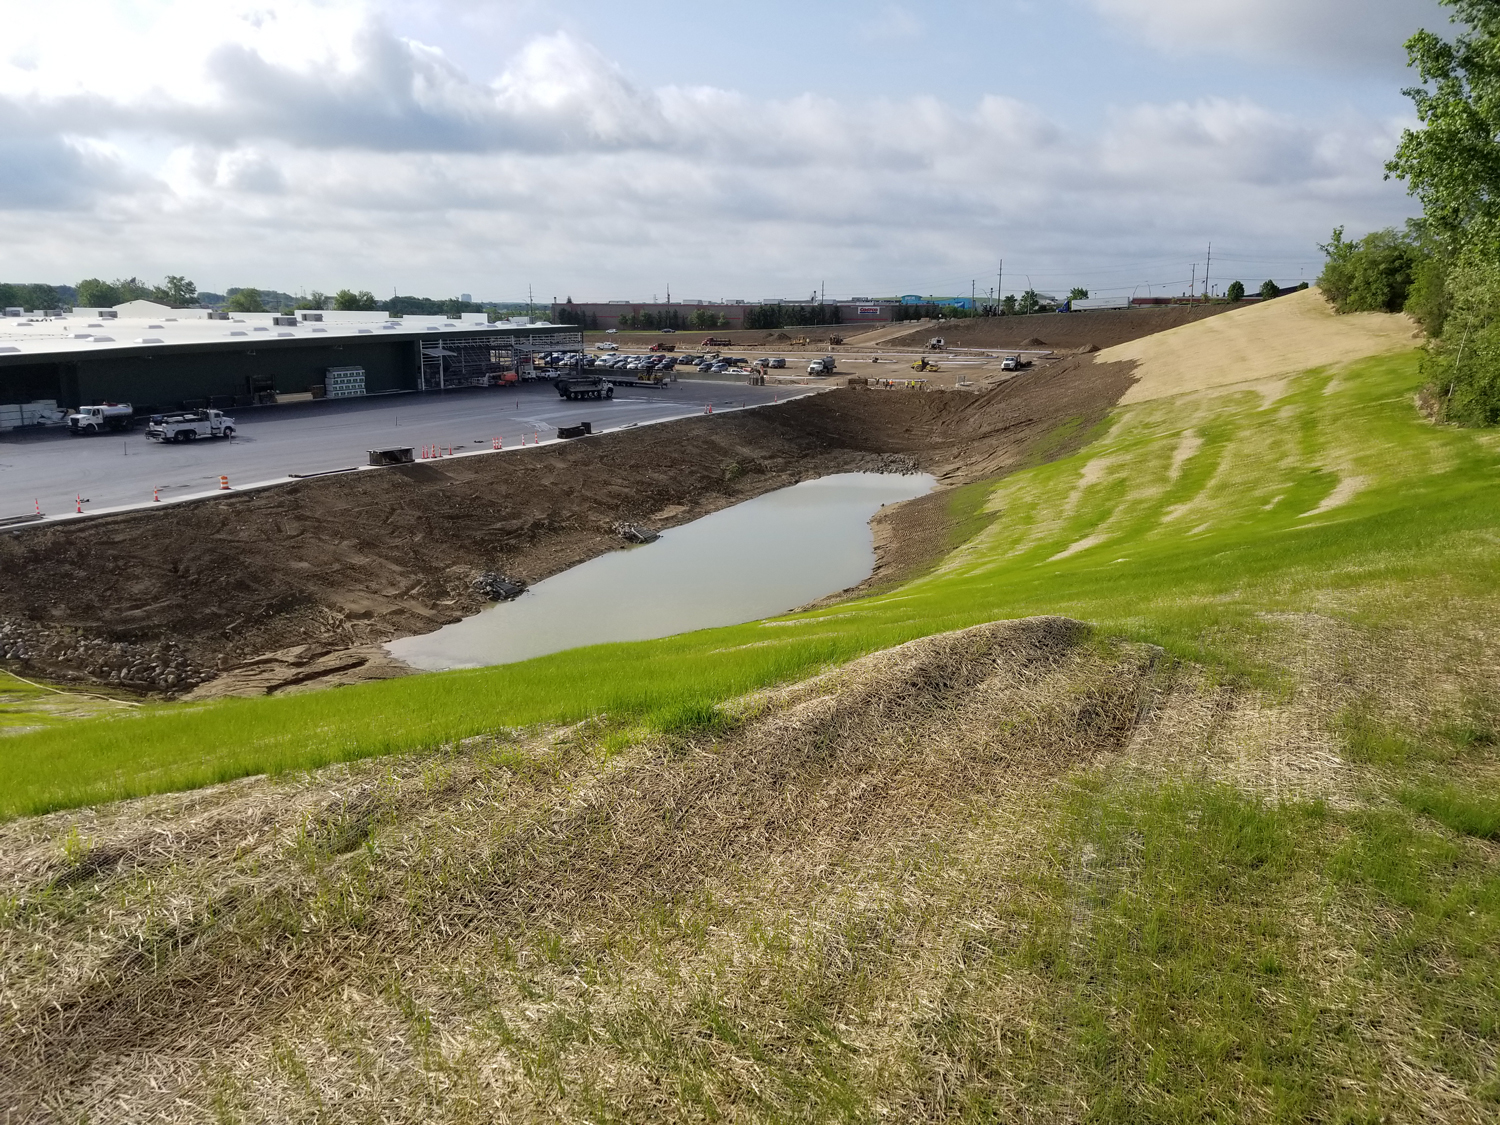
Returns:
point(1189, 557)
point(1185, 948)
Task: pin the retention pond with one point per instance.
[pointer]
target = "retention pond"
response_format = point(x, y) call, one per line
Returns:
point(756, 559)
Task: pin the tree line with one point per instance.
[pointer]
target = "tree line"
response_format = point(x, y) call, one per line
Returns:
point(1444, 268)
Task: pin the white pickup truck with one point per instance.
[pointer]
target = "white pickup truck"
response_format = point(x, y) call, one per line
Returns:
point(190, 425)
point(97, 419)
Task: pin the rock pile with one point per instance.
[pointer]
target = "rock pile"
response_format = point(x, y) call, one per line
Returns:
point(498, 588)
point(162, 666)
point(633, 534)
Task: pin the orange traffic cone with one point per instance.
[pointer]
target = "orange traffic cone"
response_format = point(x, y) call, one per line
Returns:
point(79, 507)
point(223, 484)
point(156, 496)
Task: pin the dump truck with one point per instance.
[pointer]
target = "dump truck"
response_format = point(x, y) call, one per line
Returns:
point(716, 342)
point(574, 387)
point(822, 366)
point(98, 419)
point(190, 425)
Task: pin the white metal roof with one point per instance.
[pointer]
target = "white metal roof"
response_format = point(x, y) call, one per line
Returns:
point(81, 334)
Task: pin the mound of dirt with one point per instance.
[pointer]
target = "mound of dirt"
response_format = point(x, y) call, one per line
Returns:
point(200, 941)
point(292, 586)
point(1064, 331)
point(1259, 342)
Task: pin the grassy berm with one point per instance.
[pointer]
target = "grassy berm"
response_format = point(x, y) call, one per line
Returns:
point(1168, 793)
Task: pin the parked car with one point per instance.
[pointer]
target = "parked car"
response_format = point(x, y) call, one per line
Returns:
point(607, 346)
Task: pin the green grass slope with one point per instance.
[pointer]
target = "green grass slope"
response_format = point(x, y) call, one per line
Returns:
point(1187, 523)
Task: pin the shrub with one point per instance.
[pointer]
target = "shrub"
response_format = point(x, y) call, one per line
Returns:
point(1269, 291)
point(1236, 291)
point(1372, 275)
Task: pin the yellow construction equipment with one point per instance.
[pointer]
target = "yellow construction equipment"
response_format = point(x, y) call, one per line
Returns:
point(924, 364)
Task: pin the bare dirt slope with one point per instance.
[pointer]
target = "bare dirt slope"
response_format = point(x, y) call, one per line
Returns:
point(1058, 331)
point(1258, 342)
point(319, 572)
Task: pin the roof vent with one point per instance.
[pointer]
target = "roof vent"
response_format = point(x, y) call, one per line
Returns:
point(320, 330)
point(156, 327)
point(366, 332)
point(236, 333)
point(286, 333)
point(148, 339)
point(103, 339)
point(9, 349)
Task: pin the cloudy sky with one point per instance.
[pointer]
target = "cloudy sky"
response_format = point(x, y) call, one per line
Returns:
point(611, 151)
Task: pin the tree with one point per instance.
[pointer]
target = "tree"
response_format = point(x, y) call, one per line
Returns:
point(178, 292)
point(1269, 291)
point(346, 300)
point(1372, 275)
point(1008, 306)
point(1078, 294)
point(96, 294)
point(1031, 301)
point(1235, 292)
point(245, 300)
point(1452, 163)
point(314, 300)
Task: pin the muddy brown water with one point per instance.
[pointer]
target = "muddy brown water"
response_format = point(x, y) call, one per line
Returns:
point(754, 560)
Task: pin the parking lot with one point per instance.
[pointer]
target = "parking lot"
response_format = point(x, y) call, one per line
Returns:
point(50, 468)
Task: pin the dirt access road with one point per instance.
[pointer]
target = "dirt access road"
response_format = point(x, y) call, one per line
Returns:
point(300, 584)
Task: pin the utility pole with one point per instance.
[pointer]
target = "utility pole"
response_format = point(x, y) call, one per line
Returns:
point(1206, 270)
point(1193, 285)
point(822, 292)
point(530, 303)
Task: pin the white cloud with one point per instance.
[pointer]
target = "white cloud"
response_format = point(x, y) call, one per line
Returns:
point(892, 24)
point(295, 144)
point(1345, 33)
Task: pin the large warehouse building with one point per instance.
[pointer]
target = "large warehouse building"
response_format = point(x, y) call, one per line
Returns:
point(157, 358)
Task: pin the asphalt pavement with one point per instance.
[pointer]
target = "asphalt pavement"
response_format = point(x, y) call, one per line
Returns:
point(51, 469)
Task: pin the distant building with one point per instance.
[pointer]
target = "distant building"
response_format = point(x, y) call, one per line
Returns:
point(729, 315)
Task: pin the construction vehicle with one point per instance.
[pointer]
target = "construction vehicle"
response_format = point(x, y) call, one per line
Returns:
point(575, 387)
point(936, 344)
point(924, 364)
point(835, 341)
point(822, 366)
point(97, 419)
point(190, 425)
point(660, 347)
point(800, 342)
point(716, 342)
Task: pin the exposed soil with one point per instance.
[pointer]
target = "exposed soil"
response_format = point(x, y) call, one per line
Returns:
point(1101, 328)
point(295, 587)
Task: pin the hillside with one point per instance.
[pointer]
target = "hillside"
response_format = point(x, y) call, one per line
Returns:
point(1165, 791)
